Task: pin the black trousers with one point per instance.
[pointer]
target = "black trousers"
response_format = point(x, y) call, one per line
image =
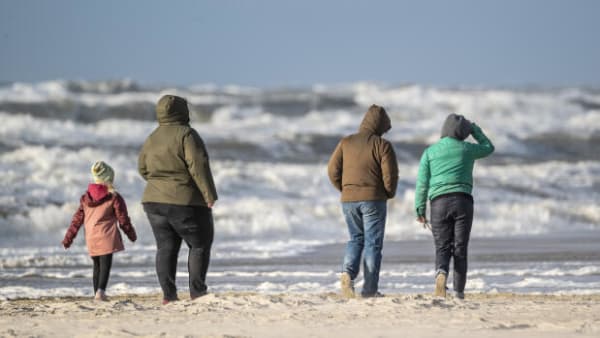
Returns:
point(102, 265)
point(451, 220)
point(171, 224)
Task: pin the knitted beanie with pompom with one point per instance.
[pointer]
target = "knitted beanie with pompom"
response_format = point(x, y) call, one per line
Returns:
point(102, 173)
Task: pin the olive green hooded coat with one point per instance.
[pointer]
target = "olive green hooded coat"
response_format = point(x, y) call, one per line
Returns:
point(174, 161)
point(363, 166)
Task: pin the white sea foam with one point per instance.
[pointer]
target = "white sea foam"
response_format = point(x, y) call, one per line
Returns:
point(535, 271)
point(535, 282)
point(33, 273)
point(53, 91)
point(303, 287)
point(587, 270)
point(280, 203)
point(273, 274)
point(416, 111)
point(263, 201)
point(15, 292)
point(549, 278)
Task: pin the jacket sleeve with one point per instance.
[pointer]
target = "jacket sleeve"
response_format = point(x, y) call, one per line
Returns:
point(422, 187)
point(389, 169)
point(196, 158)
point(334, 167)
point(484, 146)
point(142, 169)
point(76, 223)
point(120, 208)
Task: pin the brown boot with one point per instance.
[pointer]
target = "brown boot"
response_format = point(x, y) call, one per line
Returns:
point(347, 285)
point(440, 285)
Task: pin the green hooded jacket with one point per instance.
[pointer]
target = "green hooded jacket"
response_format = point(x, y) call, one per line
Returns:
point(447, 166)
point(174, 161)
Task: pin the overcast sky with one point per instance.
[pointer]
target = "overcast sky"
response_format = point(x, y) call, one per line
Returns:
point(297, 43)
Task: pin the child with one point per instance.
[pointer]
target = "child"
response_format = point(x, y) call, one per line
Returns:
point(100, 208)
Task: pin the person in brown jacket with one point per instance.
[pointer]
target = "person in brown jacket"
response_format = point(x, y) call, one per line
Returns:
point(101, 208)
point(180, 192)
point(364, 169)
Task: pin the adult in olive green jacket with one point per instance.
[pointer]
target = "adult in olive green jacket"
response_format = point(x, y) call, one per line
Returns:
point(446, 179)
point(363, 168)
point(179, 195)
point(174, 161)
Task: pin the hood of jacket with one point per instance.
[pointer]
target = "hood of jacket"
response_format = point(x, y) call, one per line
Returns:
point(456, 126)
point(376, 121)
point(95, 195)
point(172, 110)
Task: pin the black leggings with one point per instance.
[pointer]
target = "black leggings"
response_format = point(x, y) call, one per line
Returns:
point(102, 266)
point(172, 224)
point(451, 221)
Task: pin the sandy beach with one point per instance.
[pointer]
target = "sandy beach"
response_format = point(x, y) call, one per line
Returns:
point(305, 315)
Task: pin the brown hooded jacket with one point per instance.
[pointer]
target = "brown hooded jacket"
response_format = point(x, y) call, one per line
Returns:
point(363, 166)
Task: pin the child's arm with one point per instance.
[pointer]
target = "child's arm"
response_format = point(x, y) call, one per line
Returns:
point(123, 217)
point(76, 223)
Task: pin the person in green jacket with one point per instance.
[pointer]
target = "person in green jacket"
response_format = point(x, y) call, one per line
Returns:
point(180, 193)
point(445, 178)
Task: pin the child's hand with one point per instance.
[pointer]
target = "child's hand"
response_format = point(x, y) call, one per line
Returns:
point(132, 237)
point(66, 243)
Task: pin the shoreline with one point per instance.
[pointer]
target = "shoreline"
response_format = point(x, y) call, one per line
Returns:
point(556, 265)
point(333, 295)
point(252, 314)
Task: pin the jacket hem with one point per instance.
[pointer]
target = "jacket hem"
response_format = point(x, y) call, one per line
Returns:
point(105, 253)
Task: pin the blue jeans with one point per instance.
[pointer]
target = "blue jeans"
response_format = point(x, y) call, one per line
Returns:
point(366, 226)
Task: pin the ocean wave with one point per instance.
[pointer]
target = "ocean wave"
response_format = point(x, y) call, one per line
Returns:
point(412, 273)
point(548, 277)
point(265, 202)
point(269, 150)
point(94, 101)
point(416, 111)
point(588, 270)
point(549, 283)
